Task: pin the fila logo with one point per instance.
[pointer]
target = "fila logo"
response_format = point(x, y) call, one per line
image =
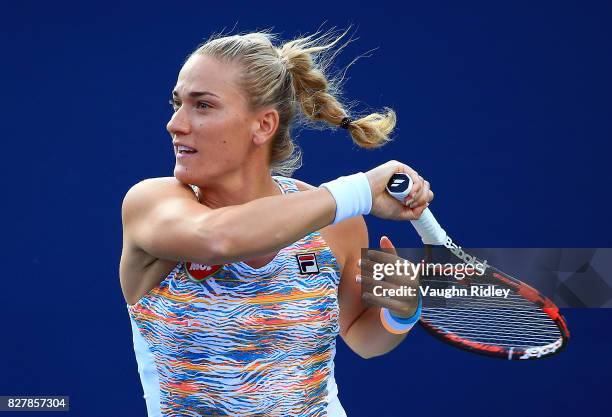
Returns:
point(308, 263)
point(197, 272)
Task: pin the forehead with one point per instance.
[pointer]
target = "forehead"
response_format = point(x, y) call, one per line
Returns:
point(203, 73)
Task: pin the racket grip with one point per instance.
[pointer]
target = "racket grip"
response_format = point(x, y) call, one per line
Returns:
point(429, 229)
point(399, 186)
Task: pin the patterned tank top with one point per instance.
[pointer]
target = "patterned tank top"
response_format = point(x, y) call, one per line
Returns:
point(233, 340)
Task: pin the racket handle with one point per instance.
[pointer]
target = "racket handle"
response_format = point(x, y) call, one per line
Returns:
point(429, 229)
point(399, 186)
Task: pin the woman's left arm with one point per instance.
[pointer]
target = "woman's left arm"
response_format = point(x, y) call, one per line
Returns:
point(360, 326)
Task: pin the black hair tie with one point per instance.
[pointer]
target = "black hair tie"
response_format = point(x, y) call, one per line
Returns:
point(344, 124)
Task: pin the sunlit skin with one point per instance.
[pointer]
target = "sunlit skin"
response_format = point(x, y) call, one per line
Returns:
point(231, 165)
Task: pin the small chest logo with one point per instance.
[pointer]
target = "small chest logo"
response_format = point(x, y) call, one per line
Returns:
point(198, 272)
point(307, 263)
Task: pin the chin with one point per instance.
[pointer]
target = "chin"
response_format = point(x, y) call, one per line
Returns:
point(205, 173)
point(188, 176)
point(184, 175)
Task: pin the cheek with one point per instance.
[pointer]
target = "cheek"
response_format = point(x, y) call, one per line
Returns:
point(227, 136)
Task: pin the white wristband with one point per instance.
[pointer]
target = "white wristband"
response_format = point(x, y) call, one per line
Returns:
point(352, 194)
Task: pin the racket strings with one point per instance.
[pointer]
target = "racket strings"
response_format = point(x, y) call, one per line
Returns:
point(475, 319)
point(512, 322)
point(513, 300)
point(494, 326)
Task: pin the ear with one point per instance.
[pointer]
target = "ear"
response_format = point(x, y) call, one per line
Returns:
point(266, 126)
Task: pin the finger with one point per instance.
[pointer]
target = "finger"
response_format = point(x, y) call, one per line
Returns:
point(422, 196)
point(366, 265)
point(407, 278)
point(405, 275)
point(407, 213)
point(387, 245)
point(369, 284)
point(395, 283)
point(368, 281)
point(417, 186)
point(417, 211)
point(377, 256)
point(377, 262)
point(403, 168)
point(368, 271)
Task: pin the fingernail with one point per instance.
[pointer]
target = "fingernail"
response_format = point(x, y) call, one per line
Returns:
point(413, 204)
point(359, 262)
point(358, 279)
point(408, 202)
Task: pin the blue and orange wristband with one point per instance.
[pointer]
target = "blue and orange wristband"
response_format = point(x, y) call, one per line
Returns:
point(400, 325)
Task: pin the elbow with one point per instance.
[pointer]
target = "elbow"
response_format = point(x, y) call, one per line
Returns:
point(217, 250)
point(363, 350)
point(365, 355)
point(226, 241)
point(368, 355)
point(216, 243)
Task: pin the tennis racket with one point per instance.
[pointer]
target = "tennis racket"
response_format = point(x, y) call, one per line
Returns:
point(522, 325)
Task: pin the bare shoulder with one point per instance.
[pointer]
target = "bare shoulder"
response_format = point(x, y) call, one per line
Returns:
point(157, 186)
point(142, 194)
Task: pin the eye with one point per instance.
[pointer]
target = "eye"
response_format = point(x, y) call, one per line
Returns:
point(202, 105)
point(175, 104)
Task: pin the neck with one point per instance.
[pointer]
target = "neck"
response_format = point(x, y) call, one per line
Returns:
point(238, 188)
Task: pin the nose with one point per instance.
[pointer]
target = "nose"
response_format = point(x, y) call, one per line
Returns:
point(179, 123)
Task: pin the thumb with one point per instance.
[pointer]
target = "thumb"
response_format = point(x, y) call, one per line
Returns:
point(387, 246)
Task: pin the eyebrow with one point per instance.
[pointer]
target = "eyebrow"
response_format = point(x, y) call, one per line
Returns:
point(194, 94)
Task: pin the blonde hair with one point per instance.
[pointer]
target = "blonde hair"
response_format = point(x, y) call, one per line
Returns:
point(292, 75)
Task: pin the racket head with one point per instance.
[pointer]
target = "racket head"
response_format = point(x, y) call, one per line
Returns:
point(525, 325)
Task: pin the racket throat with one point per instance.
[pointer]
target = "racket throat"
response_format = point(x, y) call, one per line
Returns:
point(470, 260)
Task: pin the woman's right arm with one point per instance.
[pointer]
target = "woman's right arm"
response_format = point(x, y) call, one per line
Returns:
point(163, 218)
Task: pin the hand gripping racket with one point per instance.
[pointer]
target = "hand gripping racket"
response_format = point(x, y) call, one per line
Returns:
point(522, 325)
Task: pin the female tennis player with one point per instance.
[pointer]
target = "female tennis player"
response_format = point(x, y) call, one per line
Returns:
point(238, 281)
